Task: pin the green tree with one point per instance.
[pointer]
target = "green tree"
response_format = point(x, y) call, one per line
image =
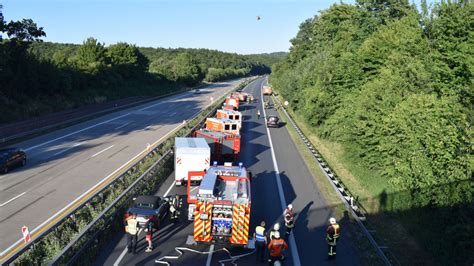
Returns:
point(91, 56)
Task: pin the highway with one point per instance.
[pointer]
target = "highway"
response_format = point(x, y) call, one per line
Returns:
point(280, 177)
point(65, 164)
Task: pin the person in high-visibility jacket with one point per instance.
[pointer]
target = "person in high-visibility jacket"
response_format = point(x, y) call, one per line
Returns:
point(276, 247)
point(276, 228)
point(131, 227)
point(332, 235)
point(260, 241)
point(289, 216)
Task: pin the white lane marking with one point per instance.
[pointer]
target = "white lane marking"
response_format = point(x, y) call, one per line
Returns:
point(173, 113)
point(101, 151)
point(124, 125)
point(209, 257)
point(10, 200)
point(148, 128)
point(119, 259)
point(98, 124)
point(65, 150)
point(292, 244)
point(100, 182)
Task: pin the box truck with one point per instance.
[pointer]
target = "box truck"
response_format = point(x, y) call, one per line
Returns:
point(190, 154)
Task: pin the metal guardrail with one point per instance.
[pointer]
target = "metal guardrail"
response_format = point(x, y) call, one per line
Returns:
point(9, 255)
point(350, 202)
point(57, 260)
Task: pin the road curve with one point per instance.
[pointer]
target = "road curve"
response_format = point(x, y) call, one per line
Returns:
point(299, 189)
point(66, 163)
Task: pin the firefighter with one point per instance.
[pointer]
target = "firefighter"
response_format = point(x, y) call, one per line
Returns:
point(276, 228)
point(131, 227)
point(260, 238)
point(175, 208)
point(276, 247)
point(332, 235)
point(289, 216)
point(258, 114)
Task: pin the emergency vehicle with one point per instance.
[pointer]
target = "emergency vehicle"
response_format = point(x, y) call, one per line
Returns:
point(242, 96)
point(225, 147)
point(220, 206)
point(230, 114)
point(267, 90)
point(223, 125)
point(190, 154)
point(232, 102)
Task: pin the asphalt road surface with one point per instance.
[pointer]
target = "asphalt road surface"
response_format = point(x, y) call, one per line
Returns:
point(66, 163)
point(307, 243)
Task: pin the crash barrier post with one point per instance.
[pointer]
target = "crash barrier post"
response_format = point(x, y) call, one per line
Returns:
point(356, 209)
point(67, 216)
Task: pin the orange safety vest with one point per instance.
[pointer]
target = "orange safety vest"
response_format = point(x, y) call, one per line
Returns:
point(276, 247)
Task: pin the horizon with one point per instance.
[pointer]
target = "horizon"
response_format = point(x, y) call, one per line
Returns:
point(171, 25)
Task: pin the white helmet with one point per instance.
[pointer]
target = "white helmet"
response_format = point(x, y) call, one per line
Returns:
point(290, 206)
point(276, 226)
point(277, 234)
point(332, 220)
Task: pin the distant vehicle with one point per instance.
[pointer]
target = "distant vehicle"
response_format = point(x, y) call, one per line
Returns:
point(273, 121)
point(197, 91)
point(149, 208)
point(267, 90)
point(11, 158)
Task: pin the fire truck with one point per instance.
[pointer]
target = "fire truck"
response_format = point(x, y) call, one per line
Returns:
point(220, 206)
point(225, 147)
point(230, 114)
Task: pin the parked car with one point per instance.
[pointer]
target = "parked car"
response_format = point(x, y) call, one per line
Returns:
point(197, 91)
point(151, 208)
point(11, 158)
point(273, 121)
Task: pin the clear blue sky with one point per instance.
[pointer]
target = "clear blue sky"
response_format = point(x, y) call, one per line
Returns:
point(226, 25)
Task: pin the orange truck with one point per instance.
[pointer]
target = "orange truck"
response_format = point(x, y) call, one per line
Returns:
point(223, 125)
point(230, 101)
point(225, 147)
point(230, 114)
point(220, 207)
point(241, 95)
point(267, 90)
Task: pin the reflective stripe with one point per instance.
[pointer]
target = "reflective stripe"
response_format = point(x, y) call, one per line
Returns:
point(260, 234)
point(336, 230)
point(132, 226)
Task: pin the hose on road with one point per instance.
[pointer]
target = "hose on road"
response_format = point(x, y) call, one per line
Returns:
point(181, 250)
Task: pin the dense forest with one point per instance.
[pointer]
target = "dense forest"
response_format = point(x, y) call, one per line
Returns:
point(392, 83)
point(40, 77)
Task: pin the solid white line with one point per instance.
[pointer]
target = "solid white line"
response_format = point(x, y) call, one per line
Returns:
point(209, 257)
point(124, 125)
point(85, 193)
point(8, 201)
point(73, 146)
point(292, 244)
point(119, 259)
point(101, 151)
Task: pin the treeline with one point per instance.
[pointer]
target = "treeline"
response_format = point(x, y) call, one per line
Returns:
point(39, 77)
point(393, 85)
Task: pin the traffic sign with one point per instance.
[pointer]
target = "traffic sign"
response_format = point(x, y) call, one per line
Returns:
point(26, 234)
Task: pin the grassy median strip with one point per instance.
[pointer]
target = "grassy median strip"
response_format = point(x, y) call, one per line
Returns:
point(50, 244)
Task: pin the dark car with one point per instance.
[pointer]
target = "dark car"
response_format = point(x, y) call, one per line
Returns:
point(273, 121)
point(11, 158)
point(150, 208)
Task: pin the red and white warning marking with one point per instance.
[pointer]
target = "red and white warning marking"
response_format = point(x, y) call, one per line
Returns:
point(26, 234)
